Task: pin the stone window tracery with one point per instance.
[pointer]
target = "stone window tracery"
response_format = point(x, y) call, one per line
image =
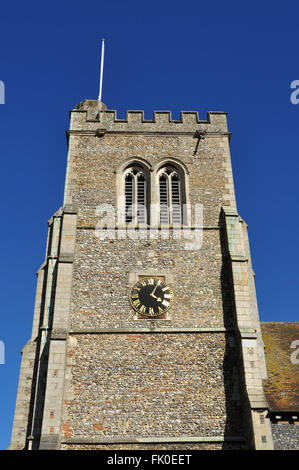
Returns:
point(170, 196)
point(135, 195)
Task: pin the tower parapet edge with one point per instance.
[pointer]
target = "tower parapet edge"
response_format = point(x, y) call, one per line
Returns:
point(88, 114)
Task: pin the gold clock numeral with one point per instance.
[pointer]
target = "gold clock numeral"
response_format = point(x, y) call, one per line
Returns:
point(142, 309)
point(151, 297)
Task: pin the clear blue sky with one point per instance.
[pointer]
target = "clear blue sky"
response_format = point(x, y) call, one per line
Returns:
point(238, 57)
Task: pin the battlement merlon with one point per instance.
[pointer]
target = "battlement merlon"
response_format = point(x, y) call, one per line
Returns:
point(92, 115)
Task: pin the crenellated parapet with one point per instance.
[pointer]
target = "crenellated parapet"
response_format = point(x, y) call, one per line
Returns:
point(90, 115)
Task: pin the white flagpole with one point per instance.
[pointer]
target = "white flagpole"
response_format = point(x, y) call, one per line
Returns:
point(102, 66)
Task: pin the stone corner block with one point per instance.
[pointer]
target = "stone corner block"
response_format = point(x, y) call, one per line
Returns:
point(49, 442)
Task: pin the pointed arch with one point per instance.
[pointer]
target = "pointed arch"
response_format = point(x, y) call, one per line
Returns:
point(133, 187)
point(171, 181)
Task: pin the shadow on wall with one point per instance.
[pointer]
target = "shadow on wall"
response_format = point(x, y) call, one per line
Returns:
point(237, 423)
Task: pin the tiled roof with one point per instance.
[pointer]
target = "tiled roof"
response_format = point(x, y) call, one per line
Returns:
point(281, 341)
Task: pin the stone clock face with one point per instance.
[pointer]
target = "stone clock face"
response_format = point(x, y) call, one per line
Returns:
point(151, 297)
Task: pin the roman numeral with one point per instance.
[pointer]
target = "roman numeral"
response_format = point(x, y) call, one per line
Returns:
point(142, 309)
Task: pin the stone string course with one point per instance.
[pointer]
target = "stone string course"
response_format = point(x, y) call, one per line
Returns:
point(175, 446)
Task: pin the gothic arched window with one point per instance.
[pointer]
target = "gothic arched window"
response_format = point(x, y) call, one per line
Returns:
point(170, 193)
point(135, 195)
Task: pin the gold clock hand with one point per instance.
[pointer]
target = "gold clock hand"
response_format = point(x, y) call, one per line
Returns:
point(152, 294)
point(157, 298)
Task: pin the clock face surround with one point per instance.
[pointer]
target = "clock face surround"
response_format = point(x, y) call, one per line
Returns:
point(151, 297)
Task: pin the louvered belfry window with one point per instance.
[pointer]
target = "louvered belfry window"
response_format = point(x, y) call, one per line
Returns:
point(170, 196)
point(135, 196)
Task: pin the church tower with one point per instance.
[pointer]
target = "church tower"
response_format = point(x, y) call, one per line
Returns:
point(146, 332)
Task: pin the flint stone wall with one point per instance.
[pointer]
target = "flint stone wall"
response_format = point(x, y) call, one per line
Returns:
point(95, 161)
point(149, 385)
point(101, 281)
point(285, 436)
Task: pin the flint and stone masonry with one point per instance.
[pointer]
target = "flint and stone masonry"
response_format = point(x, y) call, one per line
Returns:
point(96, 376)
